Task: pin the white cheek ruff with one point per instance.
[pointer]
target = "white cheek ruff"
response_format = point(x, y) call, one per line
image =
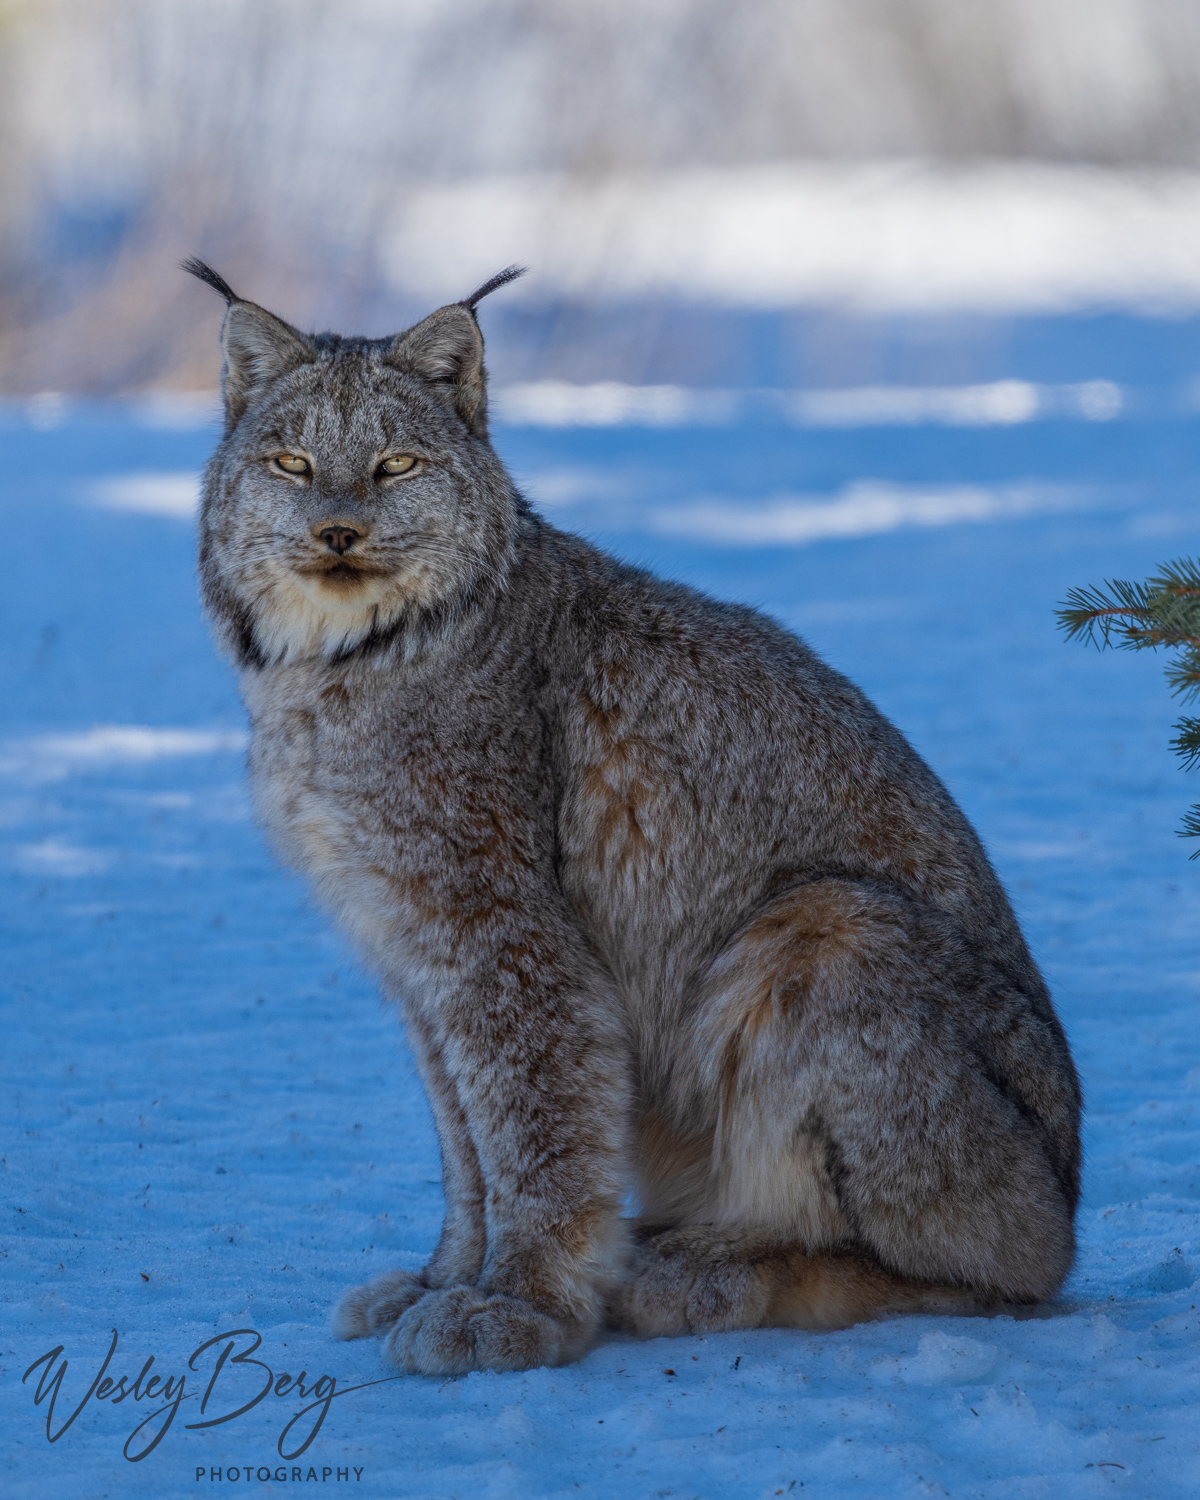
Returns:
point(296, 618)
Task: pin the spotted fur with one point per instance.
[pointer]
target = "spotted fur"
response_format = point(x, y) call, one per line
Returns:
point(666, 903)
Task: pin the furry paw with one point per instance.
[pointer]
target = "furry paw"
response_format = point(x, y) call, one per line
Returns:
point(450, 1332)
point(687, 1282)
point(373, 1307)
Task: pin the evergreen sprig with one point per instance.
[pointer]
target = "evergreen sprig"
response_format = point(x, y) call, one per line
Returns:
point(1163, 611)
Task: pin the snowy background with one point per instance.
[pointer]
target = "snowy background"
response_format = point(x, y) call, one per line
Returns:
point(656, 162)
point(210, 1122)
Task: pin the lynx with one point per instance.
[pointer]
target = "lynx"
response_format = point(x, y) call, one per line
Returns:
point(669, 908)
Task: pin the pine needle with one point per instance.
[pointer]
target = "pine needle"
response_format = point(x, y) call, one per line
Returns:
point(1163, 611)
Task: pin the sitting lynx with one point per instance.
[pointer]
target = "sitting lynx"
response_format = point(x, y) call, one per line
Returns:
point(666, 903)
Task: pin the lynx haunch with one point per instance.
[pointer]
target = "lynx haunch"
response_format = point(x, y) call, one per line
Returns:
point(666, 903)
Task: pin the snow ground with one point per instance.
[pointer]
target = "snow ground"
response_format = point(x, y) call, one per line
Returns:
point(210, 1124)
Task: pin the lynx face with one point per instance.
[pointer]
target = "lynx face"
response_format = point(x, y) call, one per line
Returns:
point(355, 492)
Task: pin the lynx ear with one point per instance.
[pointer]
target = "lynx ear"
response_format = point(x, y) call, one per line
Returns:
point(258, 346)
point(447, 351)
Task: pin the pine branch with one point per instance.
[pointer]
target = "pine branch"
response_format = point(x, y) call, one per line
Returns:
point(1183, 676)
point(1186, 743)
point(1163, 611)
point(1096, 615)
point(1191, 828)
point(1181, 576)
point(1176, 617)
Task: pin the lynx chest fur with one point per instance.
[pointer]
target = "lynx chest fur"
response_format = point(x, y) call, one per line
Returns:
point(670, 909)
point(407, 846)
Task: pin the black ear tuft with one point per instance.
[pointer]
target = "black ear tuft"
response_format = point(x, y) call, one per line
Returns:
point(258, 346)
point(501, 278)
point(196, 267)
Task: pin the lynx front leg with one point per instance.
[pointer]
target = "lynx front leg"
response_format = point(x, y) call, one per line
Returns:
point(458, 1258)
point(375, 1306)
point(533, 1046)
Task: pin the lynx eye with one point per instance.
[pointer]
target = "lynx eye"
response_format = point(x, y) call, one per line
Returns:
point(292, 463)
point(401, 463)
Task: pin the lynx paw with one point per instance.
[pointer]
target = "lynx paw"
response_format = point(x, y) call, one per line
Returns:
point(450, 1332)
point(373, 1307)
point(684, 1282)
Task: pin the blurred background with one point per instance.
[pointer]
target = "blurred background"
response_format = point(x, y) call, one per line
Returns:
point(770, 193)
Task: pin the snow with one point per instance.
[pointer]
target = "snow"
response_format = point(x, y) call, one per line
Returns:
point(51, 757)
point(863, 508)
point(211, 1124)
point(885, 234)
point(168, 494)
point(614, 403)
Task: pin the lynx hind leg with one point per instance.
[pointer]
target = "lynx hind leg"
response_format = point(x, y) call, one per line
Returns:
point(706, 1280)
point(861, 1161)
point(374, 1307)
point(838, 1024)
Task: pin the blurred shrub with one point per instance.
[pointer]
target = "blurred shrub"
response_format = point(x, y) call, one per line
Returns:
point(289, 132)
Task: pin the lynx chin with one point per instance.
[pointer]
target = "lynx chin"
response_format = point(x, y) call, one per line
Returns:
point(666, 904)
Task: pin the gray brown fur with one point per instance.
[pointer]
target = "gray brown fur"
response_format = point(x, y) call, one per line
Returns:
point(665, 901)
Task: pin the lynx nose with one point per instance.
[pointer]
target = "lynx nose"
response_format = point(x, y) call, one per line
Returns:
point(339, 539)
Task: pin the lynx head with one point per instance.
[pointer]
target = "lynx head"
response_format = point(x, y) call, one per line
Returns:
point(354, 496)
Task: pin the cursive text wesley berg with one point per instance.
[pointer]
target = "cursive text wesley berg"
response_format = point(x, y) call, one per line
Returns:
point(236, 1377)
